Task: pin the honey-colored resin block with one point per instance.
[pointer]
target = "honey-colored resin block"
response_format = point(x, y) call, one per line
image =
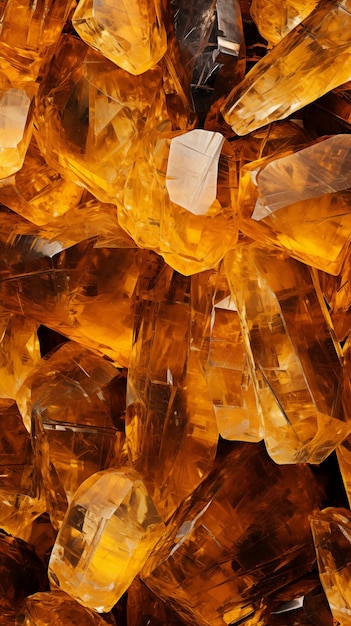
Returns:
point(130, 33)
point(37, 191)
point(223, 357)
point(56, 608)
point(19, 352)
point(296, 71)
point(73, 404)
point(16, 124)
point(170, 422)
point(300, 202)
point(243, 535)
point(91, 115)
point(331, 534)
point(110, 529)
point(21, 496)
point(28, 34)
point(83, 292)
point(276, 18)
point(303, 391)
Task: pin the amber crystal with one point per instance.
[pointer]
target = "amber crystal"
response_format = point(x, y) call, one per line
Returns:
point(170, 423)
point(296, 71)
point(331, 534)
point(144, 608)
point(223, 357)
point(22, 572)
point(276, 18)
point(107, 535)
point(56, 608)
point(16, 123)
point(79, 436)
point(36, 191)
point(236, 539)
point(130, 33)
point(281, 197)
point(19, 352)
point(303, 393)
point(21, 497)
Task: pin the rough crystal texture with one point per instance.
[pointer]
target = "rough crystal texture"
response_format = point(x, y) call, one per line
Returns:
point(144, 608)
point(56, 608)
point(303, 392)
point(22, 572)
point(21, 496)
point(28, 34)
point(281, 197)
point(82, 291)
point(109, 531)
point(36, 191)
point(223, 358)
point(77, 436)
point(170, 423)
point(19, 352)
point(236, 539)
point(276, 18)
point(331, 529)
point(15, 127)
point(296, 71)
point(130, 33)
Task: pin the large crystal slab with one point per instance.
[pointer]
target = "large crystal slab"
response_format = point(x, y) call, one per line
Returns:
point(300, 202)
point(109, 531)
point(297, 71)
point(55, 608)
point(130, 33)
point(244, 534)
point(170, 423)
point(331, 534)
point(302, 388)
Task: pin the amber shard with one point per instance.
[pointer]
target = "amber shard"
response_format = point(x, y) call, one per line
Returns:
point(300, 202)
point(219, 341)
point(170, 423)
point(108, 533)
point(242, 535)
point(276, 18)
point(56, 608)
point(296, 71)
point(19, 352)
point(28, 34)
point(16, 108)
point(21, 497)
point(22, 572)
point(144, 608)
point(299, 375)
point(77, 436)
point(331, 529)
point(130, 33)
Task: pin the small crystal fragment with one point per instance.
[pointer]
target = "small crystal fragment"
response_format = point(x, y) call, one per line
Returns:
point(276, 18)
point(55, 608)
point(15, 128)
point(109, 531)
point(19, 352)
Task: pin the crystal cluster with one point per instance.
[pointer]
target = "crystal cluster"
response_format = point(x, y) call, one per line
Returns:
point(175, 334)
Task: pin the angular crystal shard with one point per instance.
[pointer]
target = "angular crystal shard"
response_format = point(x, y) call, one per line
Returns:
point(223, 358)
point(75, 401)
point(276, 18)
point(15, 127)
point(281, 197)
point(243, 534)
point(58, 609)
point(301, 385)
point(170, 423)
point(130, 33)
point(19, 352)
point(109, 531)
point(296, 72)
point(331, 529)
